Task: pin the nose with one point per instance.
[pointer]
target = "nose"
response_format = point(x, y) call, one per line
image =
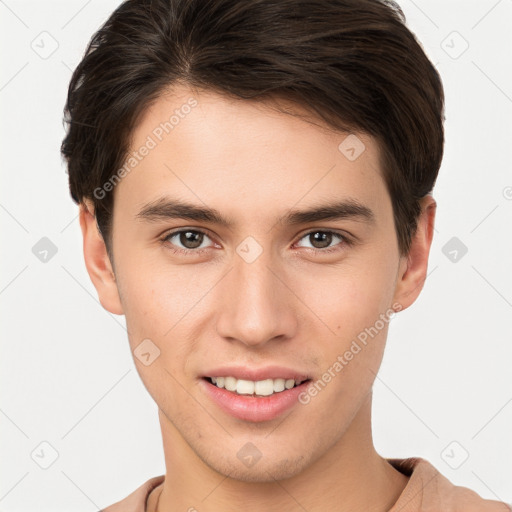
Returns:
point(254, 303)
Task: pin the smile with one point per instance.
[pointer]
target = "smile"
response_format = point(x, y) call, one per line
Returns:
point(259, 388)
point(253, 400)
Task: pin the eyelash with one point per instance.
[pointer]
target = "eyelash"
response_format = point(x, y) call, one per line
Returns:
point(165, 240)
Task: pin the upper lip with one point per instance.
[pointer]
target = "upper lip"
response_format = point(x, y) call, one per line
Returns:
point(256, 374)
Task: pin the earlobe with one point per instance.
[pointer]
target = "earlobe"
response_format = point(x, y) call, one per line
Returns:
point(97, 261)
point(413, 268)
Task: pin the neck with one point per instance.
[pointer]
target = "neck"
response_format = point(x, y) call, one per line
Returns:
point(350, 476)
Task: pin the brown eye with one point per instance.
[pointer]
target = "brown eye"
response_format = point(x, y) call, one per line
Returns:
point(186, 239)
point(320, 240)
point(190, 239)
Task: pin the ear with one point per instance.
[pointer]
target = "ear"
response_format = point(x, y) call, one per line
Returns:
point(97, 260)
point(413, 267)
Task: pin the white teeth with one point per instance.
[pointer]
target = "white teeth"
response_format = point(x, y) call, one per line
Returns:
point(230, 383)
point(278, 385)
point(264, 387)
point(245, 387)
point(289, 383)
point(248, 387)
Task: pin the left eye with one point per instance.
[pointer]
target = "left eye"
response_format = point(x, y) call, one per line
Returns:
point(322, 239)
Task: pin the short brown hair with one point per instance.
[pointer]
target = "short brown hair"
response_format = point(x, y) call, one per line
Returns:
point(351, 63)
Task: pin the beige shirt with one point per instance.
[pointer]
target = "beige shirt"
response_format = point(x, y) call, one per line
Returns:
point(427, 491)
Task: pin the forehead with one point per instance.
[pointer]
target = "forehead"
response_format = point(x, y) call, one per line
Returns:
point(245, 156)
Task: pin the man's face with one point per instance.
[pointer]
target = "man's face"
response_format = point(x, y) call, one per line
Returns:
point(260, 297)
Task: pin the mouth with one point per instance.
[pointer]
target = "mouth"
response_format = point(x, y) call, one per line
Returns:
point(259, 388)
point(259, 400)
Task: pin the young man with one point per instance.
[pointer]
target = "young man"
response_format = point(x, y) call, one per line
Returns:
point(254, 181)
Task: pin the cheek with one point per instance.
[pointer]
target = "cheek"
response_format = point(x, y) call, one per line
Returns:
point(154, 296)
point(357, 312)
point(157, 307)
point(350, 298)
point(163, 304)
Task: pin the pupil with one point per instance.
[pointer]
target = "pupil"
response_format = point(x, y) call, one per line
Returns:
point(325, 239)
point(191, 239)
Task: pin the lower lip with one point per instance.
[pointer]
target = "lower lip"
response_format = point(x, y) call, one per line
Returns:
point(253, 408)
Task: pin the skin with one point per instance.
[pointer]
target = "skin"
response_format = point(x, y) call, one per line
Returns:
point(292, 306)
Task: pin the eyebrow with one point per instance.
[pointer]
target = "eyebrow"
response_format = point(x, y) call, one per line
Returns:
point(165, 208)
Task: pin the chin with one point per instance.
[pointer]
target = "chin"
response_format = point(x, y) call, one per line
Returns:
point(268, 469)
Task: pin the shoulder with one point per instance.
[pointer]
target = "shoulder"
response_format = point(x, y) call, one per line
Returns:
point(462, 499)
point(430, 491)
point(136, 501)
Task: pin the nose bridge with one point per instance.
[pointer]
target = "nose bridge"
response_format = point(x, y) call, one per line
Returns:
point(255, 306)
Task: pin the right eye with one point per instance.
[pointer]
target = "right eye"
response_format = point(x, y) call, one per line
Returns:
point(191, 241)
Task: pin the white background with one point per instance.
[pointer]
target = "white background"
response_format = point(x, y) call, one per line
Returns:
point(67, 376)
